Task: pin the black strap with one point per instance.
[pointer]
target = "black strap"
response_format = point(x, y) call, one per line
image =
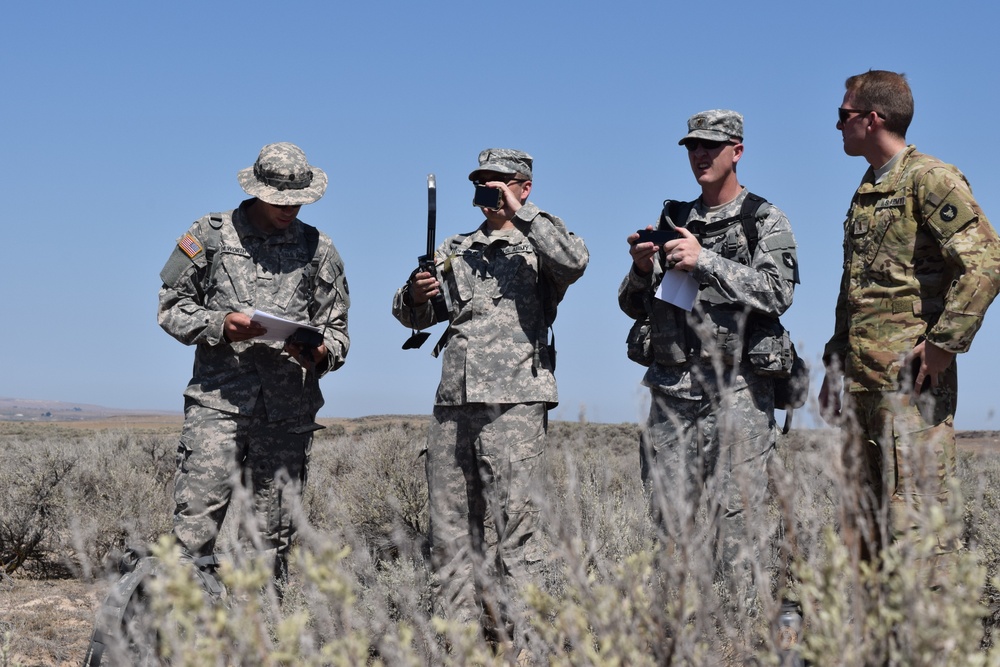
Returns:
point(749, 214)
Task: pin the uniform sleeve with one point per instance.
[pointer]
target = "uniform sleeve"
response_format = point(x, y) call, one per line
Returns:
point(182, 312)
point(768, 284)
point(836, 347)
point(422, 316)
point(564, 255)
point(969, 243)
point(632, 291)
point(331, 301)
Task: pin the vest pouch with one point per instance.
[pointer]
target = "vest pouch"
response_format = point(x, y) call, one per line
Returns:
point(792, 390)
point(719, 335)
point(770, 348)
point(639, 342)
point(668, 334)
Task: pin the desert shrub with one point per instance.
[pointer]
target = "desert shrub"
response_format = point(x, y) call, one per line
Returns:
point(32, 481)
point(612, 591)
point(76, 504)
point(372, 483)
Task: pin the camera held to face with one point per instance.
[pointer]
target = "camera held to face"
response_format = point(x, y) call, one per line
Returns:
point(487, 197)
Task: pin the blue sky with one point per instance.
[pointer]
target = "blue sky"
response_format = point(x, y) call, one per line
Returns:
point(124, 122)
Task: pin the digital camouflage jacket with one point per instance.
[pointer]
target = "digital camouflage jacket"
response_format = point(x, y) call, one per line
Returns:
point(504, 287)
point(296, 274)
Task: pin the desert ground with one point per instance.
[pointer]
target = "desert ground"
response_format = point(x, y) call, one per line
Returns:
point(46, 618)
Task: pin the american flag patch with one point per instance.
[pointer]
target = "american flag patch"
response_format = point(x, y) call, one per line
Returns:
point(189, 245)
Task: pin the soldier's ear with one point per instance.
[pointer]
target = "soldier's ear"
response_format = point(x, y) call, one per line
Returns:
point(737, 152)
point(525, 190)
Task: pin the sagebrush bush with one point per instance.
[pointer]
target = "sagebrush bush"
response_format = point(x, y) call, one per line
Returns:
point(611, 592)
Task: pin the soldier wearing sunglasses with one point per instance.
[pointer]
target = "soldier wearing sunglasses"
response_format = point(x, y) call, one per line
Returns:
point(711, 431)
point(921, 266)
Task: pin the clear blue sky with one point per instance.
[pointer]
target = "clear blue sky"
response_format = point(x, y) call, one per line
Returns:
point(124, 122)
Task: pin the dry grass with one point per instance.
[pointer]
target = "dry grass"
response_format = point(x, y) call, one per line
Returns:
point(605, 595)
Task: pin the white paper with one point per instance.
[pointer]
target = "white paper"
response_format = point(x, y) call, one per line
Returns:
point(678, 288)
point(278, 328)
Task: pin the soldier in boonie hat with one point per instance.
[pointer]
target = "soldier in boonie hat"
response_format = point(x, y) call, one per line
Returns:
point(255, 387)
point(282, 176)
point(715, 125)
point(503, 161)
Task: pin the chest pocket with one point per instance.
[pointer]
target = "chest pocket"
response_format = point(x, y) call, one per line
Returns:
point(466, 268)
point(235, 284)
point(869, 231)
point(514, 268)
point(293, 284)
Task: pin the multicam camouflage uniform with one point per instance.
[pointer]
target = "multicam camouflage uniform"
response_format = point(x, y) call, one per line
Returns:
point(249, 407)
point(711, 432)
point(921, 261)
point(488, 432)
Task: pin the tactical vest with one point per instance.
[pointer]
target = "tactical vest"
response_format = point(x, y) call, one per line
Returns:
point(672, 337)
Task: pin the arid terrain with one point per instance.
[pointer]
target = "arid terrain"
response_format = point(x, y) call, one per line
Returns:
point(48, 620)
point(53, 617)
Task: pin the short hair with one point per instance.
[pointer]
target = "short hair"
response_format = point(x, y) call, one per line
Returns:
point(887, 93)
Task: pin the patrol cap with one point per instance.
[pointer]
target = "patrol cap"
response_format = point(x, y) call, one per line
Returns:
point(282, 176)
point(503, 161)
point(715, 125)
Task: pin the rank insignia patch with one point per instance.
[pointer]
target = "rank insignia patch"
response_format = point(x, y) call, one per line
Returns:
point(189, 245)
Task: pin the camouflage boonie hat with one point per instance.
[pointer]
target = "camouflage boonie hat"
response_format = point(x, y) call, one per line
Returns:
point(281, 176)
point(503, 161)
point(715, 125)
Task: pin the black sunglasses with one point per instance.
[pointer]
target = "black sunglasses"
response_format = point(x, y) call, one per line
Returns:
point(707, 144)
point(843, 114)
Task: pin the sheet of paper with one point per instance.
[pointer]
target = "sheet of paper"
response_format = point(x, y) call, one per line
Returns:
point(678, 288)
point(278, 328)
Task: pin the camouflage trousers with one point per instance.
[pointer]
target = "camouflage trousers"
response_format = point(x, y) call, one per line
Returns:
point(900, 448)
point(483, 465)
point(704, 463)
point(220, 453)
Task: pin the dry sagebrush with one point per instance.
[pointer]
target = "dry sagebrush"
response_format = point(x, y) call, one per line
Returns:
point(611, 592)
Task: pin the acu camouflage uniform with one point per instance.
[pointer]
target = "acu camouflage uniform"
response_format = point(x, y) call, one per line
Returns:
point(711, 431)
point(488, 432)
point(249, 407)
point(921, 262)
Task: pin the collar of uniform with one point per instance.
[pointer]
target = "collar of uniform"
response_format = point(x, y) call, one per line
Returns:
point(891, 180)
point(482, 237)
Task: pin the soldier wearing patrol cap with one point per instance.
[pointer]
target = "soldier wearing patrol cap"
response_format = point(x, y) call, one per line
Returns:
point(504, 280)
point(711, 434)
point(921, 266)
point(250, 407)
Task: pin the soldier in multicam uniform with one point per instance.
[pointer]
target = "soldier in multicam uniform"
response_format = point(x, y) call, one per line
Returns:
point(921, 266)
point(250, 408)
point(710, 434)
point(487, 435)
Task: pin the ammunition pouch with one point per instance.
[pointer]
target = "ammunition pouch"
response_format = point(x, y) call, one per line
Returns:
point(772, 354)
point(792, 391)
point(770, 348)
point(639, 342)
point(720, 335)
point(660, 336)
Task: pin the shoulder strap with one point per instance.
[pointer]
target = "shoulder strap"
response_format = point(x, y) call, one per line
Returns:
point(676, 211)
point(213, 234)
point(750, 213)
point(312, 243)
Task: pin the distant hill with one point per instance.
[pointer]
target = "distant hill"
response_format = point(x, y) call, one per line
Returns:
point(26, 409)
